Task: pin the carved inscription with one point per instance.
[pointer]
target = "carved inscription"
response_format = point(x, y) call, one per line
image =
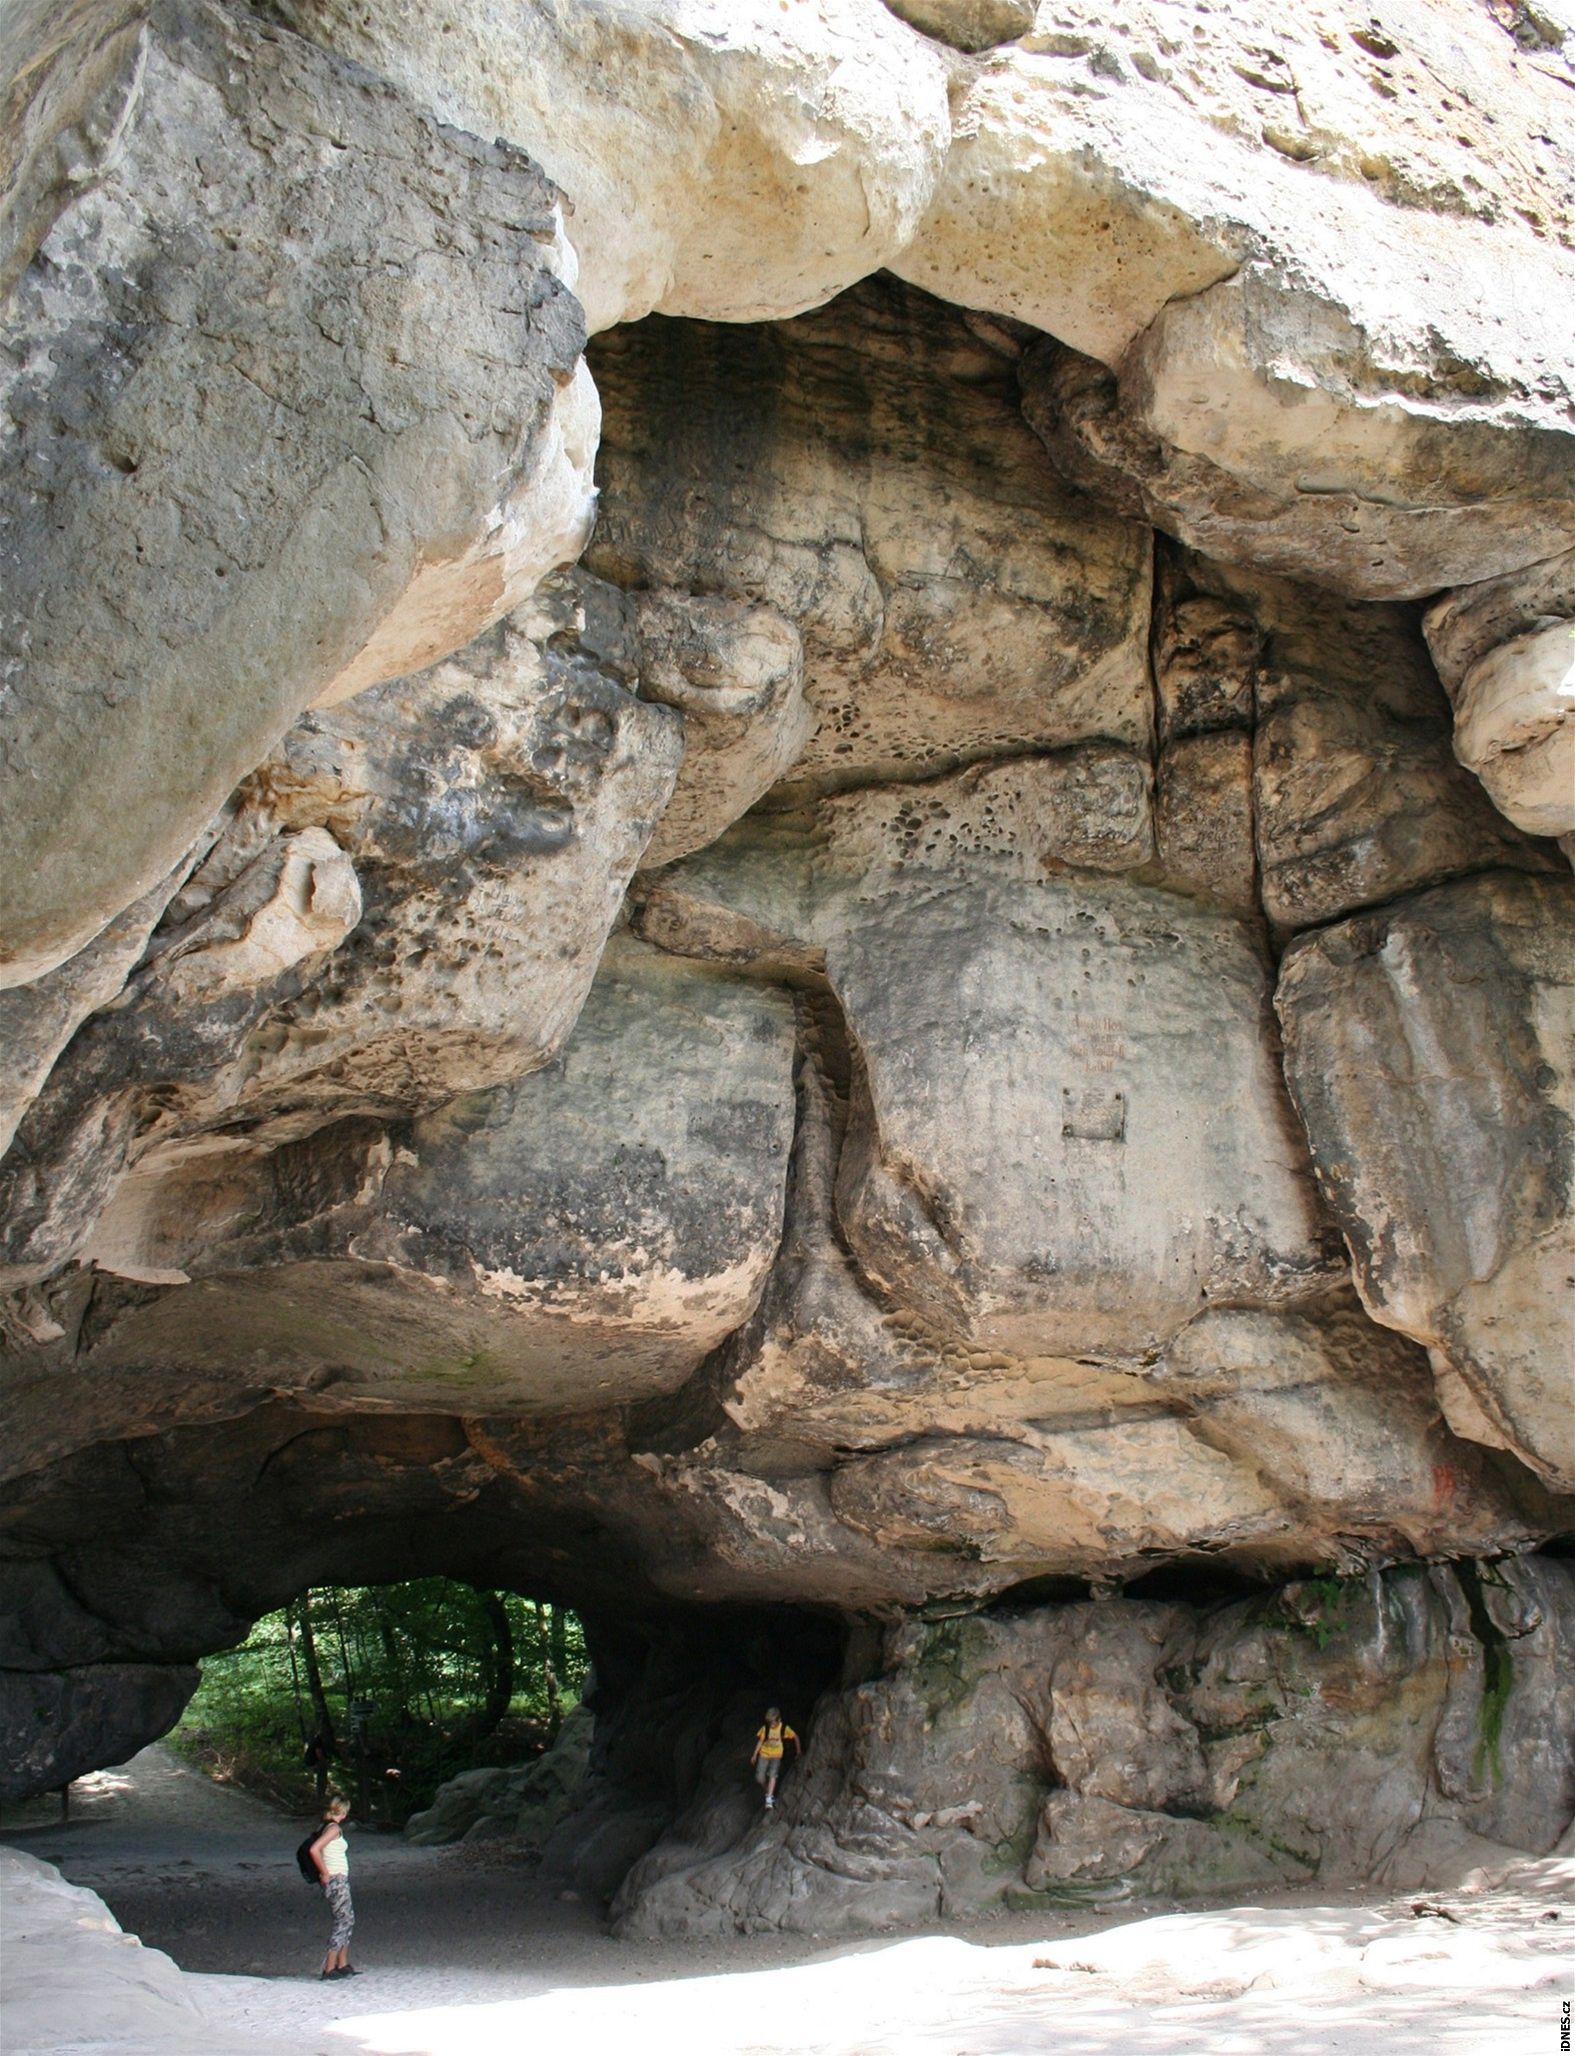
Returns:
point(1093, 1113)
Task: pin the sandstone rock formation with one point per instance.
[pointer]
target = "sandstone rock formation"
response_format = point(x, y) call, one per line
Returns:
point(927, 1080)
point(527, 1801)
point(474, 827)
point(865, 472)
point(824, 126)
point(1506, 653)
point(585, 1236)
point(218, 210)
point(1281, 238)
point(72, 1974)
point(1469, 1247)
point(1081, 1753)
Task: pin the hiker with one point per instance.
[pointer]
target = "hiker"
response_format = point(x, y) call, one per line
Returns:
point(330, 1854)
point(771, 1742)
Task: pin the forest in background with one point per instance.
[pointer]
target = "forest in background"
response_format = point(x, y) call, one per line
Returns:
point(383, 1692)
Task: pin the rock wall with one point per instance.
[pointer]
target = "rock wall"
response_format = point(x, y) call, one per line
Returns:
point(967, 1004)
point(1342, 1731)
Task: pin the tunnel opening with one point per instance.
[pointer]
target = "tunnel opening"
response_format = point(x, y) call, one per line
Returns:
point(864, 1308)
point(384, 1694)
point(601, 1731)
point(930, 1727)
point(143, 1559)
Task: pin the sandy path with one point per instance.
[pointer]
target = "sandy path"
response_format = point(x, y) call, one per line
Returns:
point(468, 1958)
point(208, 1874)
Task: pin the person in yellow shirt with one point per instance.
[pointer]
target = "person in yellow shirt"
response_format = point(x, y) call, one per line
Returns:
point(771, 1740)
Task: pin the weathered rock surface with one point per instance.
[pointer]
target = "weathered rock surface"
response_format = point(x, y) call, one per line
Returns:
point(1428, 1050)
point(576, 1240)
point(1283, 241)
point(1008, 1135)
point(993, 1399)
point(970, 25)
point(1515, 727)
point(1254, 1433)
point(864, 471)
point(474, 826)
point(728, 162)
point(1357, 797)
point(215, 208)
point(735, 1086)
point(1350, 1731)
point(524, 1802)
point(1230, 209)
point(38, 1020)
point(1198, 131)
point(973, 1203)
point(74, 1980)
point(139, 1553)
point(735, 672)
point(56, 1724)
point(1506, 652)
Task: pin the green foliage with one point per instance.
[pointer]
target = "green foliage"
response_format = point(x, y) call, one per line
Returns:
point(1498, 1669)
point(943, 1673)
point(1313, 1607)
point(417, 1682)
point(1498, 1678)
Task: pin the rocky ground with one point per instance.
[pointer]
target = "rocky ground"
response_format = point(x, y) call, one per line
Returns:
point(466, 1954)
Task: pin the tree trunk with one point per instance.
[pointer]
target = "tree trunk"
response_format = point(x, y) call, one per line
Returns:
point(560, 1643)
point(346, 1668)
point(549, 1675)
point(295, 1671)
point(501, 1690)
point(396, 1668)
point(319, 1698)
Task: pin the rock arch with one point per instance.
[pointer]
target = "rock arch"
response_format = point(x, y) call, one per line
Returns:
point(932, 1014)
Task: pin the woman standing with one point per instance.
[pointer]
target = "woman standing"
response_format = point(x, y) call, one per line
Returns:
point(331, 1854)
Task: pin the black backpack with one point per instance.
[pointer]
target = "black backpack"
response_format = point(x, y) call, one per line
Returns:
point(303, 1857)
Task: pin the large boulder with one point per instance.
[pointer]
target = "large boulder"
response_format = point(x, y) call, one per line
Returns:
point(1505, 650)
point(259, 453)
point(970, 25)
point(729, 162)
point(1428, 1050)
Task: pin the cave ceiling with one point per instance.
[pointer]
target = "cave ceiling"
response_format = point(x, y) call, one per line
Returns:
point(781, 808)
